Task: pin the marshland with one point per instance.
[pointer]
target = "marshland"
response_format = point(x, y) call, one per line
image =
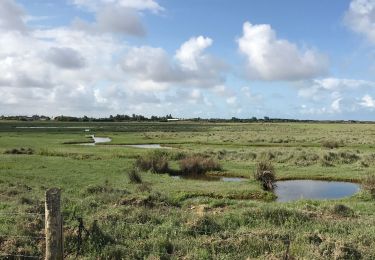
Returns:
point(161, 203)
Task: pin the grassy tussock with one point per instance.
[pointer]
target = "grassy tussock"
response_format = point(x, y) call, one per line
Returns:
point(134, 176)
point(19, 151)
point(156, 162)
point(197, 165)
point(265, 174)
point(368, 184)
point(330, 144)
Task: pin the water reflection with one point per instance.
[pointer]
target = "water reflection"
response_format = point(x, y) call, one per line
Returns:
point(310, 189)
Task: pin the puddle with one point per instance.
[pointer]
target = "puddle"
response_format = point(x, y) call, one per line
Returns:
point(209, 178)
point(311, 189)
point(148, 146)
point(98, 140)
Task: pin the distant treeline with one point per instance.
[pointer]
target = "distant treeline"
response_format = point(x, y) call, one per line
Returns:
point(141, 118)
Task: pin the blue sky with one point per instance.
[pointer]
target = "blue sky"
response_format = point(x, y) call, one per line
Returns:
point(208, 58)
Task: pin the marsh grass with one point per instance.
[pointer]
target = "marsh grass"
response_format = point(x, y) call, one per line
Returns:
point(156, 162)
point(19, 151)
point(265, 174)
point(330, 144)
point(158, 218)
point(198, 165)
point(134, 176)
point(368, 184)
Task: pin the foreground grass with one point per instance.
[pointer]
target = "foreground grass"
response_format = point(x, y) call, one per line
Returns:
point(167, 218)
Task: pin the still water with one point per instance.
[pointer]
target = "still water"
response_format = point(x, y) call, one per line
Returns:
point(310, 189)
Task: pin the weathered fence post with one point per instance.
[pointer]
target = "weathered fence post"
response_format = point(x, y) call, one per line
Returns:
point(53, 225)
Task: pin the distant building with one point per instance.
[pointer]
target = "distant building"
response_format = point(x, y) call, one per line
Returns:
point(172, 119)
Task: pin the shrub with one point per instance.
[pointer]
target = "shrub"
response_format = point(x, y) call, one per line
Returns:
point(134, 176)
point(368, 183)
point(156, 162)
point(265, 173)
point(197, 165)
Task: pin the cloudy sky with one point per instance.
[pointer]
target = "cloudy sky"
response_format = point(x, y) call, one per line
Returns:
point(302, 59)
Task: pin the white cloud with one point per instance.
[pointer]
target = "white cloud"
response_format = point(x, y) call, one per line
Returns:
point(361, 18)
point(270, 58)
point(190, 53)
point(319, 88)
point(192, 68)
point(63, 70)
point(116, 16)
point(139, 5)
point(119, 20)
point(336, 105)
point(231, 100)
point(368, 101)
point(12, 16)
point(113, 19)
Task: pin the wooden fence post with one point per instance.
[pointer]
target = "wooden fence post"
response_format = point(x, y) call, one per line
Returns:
point(53, 225)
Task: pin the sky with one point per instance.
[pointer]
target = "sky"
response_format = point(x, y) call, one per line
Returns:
point(301, 59)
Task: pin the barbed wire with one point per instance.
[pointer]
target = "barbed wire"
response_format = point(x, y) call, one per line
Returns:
point(23, 256)
point(20, 214)
point(16, 236)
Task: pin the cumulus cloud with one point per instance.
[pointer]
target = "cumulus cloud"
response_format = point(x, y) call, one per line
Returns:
point(191, 66)
point(12, 16)
point(367, 101)
point(319, 88)
point(336, 96)
point(119, 20)
point(190, 53)
point(361, 18)
point(113, 19)
point(66, 58)
point(116, 16)
point(270, 58)
point(62, 70)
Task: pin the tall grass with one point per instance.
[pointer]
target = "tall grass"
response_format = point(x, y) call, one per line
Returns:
point(198, 165)
point(265, 173)
point(156, 162)
point(330, 144)
point(368, 183)
point(134, 176)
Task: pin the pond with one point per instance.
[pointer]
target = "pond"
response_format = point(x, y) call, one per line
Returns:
point(209, 178)
point(148, 146)
point(98, 140)
point(310, 189)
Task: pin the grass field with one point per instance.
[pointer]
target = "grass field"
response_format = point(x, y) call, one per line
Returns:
point(168, 218)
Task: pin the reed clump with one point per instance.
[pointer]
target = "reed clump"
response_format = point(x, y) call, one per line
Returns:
point(266, 175)
point(198, 165)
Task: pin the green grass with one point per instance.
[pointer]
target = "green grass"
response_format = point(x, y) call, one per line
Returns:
point(167, 218)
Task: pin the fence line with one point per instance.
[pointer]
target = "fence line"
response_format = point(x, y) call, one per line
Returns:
point(11, 236)
point(20, 213)
point(22, 256)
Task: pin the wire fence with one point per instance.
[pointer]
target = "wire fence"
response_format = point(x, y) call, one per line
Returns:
point(10, 240)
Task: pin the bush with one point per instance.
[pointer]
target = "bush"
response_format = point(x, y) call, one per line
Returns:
point(265, 173)
point(368, 183)
point(156, 162)
point(198, 165)
point(134, 176)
